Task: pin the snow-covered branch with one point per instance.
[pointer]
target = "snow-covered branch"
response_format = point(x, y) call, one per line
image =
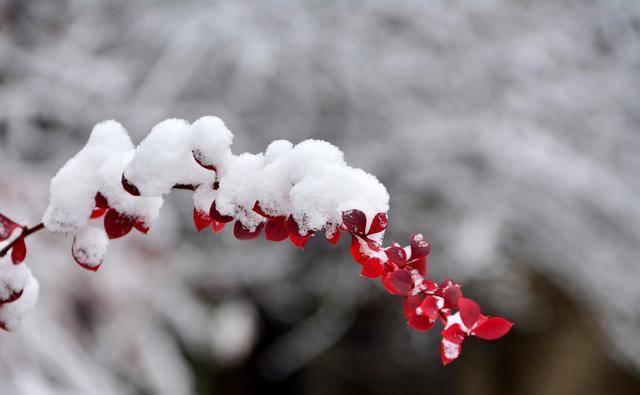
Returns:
point(289, 191)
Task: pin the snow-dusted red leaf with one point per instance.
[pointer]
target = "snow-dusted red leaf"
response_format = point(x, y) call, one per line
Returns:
point(296, 238)
point(276, 229)
point(129, 187)
point(117, 225)
point(258, 210)
point(333, 237)
point(492, 328)
point(469, 311)
point(217, 227)
point(356, 250)
point(396, 255)
point(199, 158)
point(7, 227)
point(420, 247)
point(101, 201)
point(451, 344)
point(18, 251)
point(201, 219)
point(97, 212)
point(378, 224)
point(451, 292)
point(141, 226)
point(372, 268)
point(411, 303)
point(241, 232)
point(420, 265)
point(79, 255)
point(401, 281)
point(420, 322)
point(355, 221)
point(429, 307)
point(216, 216)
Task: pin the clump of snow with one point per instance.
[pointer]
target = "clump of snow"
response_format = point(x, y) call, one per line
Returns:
point(164, 158)
point(90, 246)
point(310, 181)
point(13, 278)
point(110, 174)
point(74, 187)
point(212, 141)
point(203, 197)
point(239, 184)
point(16, 278)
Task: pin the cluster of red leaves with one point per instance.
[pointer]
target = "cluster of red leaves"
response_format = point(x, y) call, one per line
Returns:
point(402, 271)
point(116, 225)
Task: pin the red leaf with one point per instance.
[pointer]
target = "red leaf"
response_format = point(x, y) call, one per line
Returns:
point(296, 238)
point(469, 311)
point(378, 224)
point(216, 216)
point(451, 292)
point(97, 212)
point(411, 303)
point(129, 187)
point(241, 232)
point(101, 201)
point(276, 229)
point(372, 268)
point(200, 219)
point(199, 157)
point(397, 255)
point(334, 237)
point(420, 322)
point(419, 246)
point(257, 209)
point(420, 265)
point(217, 227)
point(18, 251)
point(451, 344)
point(7, 227)
point(77, 256)
point(15, 295)
point(492, 328)
point(401, 281)
point(117, 225)
point(356, 250)
point(355, 221)
point(141, 226)
point(429, 307)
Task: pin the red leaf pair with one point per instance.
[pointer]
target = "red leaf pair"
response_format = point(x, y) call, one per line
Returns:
point(477, 324)
point(279, 228)
point(355, 222)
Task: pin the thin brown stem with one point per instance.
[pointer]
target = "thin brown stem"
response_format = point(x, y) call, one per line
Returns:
point(24, 235)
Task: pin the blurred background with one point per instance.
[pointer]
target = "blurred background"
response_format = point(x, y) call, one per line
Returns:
point(507, 131)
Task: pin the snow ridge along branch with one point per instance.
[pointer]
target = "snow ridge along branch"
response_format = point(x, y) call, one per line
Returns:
point(290, 192)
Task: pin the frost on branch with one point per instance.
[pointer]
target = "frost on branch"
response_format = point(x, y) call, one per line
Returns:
point(289, 191)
